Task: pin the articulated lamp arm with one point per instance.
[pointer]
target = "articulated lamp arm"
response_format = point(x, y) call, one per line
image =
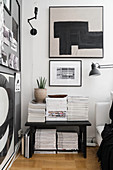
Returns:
point(33, 30)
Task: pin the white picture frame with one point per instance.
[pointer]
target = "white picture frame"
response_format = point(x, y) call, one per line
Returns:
point(65, 73)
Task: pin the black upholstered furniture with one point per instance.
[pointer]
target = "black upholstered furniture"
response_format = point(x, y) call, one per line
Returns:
point(105, 151)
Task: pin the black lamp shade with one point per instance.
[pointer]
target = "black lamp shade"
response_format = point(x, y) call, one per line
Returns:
point(94, 71)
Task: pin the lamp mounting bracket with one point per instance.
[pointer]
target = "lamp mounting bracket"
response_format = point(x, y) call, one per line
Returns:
point(33, 31)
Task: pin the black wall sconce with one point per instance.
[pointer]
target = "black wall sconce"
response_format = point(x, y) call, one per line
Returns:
point(94, 68)
point(33, 31)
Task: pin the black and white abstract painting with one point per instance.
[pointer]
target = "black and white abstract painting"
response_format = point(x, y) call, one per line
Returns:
point(6, 117)
point(65, 73)
point(76, 32)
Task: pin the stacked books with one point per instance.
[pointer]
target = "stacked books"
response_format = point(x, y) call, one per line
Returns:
point(45, 139)
point(36, 112)
point(56, 109)
point(77, 108)
point(67, 141)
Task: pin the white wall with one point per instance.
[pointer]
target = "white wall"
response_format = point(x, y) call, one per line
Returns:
point(35, 61)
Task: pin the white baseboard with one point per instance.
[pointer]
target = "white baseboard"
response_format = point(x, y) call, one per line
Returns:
point(12, 159)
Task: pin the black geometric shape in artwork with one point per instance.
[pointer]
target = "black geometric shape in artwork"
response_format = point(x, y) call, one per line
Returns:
point(76, 33)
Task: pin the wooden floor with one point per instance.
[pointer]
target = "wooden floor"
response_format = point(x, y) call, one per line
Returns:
point(58, 161)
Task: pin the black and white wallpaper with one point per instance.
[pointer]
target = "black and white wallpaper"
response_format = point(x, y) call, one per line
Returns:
point(6, 116)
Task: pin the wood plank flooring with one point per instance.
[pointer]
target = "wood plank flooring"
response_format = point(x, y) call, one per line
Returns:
point(59, 161)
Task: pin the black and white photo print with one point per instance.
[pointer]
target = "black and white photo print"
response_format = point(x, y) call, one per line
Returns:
point(15, 29)
point(4, 59)
point(17, 82)
point(65, 73)
point(6, 35)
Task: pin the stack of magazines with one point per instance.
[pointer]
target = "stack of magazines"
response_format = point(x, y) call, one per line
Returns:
point(36, 112)
point(56, 109)
point(77, 108)
point(67, 141)
point(45, 139)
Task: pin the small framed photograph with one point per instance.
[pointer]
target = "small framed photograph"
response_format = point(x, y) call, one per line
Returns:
point(4, 59)
point(15, 29)
point(13, 61)
point(6, 35)
point(17, 82)
point(65, 73)
point(7, 6)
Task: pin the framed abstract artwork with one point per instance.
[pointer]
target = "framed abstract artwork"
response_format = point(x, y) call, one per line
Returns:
point(76, 32)
point(11, 53)
point(65, 73)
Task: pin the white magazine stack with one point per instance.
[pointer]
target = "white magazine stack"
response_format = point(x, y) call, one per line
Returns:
point(36, 112)
point(56, 109)
point(45, 139)
point(67, 141)
point(77, 108)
